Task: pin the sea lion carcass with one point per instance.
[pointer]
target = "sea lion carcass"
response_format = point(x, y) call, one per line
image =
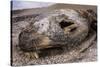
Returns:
point(55, 29)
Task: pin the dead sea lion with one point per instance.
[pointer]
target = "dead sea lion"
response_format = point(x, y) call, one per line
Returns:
point(56, 29)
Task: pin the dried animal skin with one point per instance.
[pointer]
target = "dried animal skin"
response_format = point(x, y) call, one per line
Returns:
point(54, 29)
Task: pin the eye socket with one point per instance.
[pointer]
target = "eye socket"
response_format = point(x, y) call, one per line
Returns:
point(64, 24)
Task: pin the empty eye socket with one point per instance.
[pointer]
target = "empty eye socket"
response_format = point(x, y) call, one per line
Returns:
point(64, 24)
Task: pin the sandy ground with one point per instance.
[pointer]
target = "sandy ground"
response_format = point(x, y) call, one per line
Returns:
point(54, 55)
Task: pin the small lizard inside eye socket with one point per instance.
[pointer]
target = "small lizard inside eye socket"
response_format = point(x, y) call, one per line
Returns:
point(64, 24)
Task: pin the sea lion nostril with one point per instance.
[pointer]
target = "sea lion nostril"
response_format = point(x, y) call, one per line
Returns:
point(64, 24)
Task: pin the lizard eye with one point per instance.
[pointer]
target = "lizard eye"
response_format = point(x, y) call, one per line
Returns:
point(64, 24)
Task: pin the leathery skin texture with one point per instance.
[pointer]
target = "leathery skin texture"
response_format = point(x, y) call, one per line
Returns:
point(57, 28)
